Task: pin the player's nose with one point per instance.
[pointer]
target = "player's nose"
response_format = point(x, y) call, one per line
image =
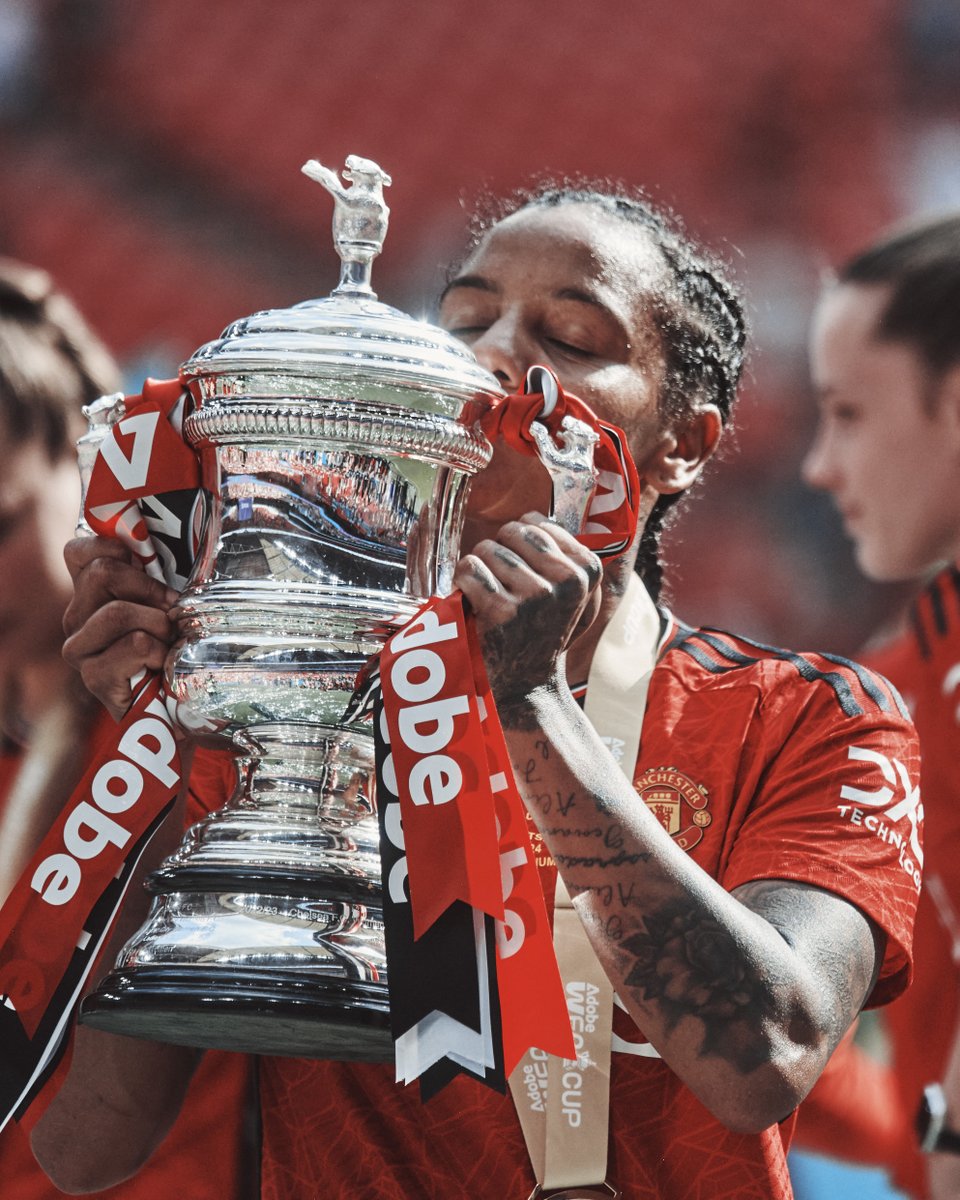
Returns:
point(818, 468)
point(507, 350)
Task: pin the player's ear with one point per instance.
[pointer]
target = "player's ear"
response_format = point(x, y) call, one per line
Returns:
point(683, 450)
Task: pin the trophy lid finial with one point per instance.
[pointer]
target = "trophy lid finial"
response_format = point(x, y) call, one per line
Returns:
point(360, 218)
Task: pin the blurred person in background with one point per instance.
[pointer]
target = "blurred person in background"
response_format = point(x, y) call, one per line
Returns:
point(50, 365)
point(739, 954)
point(885, 352)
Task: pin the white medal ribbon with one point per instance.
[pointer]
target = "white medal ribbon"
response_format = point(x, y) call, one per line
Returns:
point(564, 1104)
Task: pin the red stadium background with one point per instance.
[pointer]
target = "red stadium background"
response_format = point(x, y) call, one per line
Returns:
point(150, 156)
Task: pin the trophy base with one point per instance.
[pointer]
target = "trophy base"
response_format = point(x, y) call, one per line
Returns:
point(255, 1012)
point(265, 934)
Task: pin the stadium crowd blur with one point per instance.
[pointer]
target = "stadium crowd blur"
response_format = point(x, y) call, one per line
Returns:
point(151, 152)
point(151, 156)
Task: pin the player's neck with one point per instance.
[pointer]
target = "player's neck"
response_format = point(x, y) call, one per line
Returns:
point(580, 654)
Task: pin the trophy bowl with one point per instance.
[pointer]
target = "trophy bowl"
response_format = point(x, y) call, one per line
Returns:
point(337, 440)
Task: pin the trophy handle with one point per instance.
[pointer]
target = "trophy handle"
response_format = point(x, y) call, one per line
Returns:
point(101, 416)
point(568, 460)
point(569, 463)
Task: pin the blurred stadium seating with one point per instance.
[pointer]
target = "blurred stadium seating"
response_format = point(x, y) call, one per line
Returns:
point(151, 155)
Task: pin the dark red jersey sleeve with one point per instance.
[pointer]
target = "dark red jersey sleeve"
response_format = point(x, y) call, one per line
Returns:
point(838, 805)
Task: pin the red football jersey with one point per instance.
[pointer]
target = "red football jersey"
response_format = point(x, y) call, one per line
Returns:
point(924, 663)
point(760, 763)
point(855, 1111)
point(205, 1156)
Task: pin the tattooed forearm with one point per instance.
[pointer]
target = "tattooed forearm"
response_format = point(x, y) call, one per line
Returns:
point(686, 964)
point(606, 894)
point(573, 833)
point(725, 986)
point(610, 836)
point(618, 860)
point(603, 892)
point(799, 913)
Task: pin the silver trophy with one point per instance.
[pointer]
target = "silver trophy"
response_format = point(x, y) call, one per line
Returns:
point(338, 438)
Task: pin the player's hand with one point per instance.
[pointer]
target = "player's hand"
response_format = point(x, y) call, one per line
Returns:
point(533, 589)
point(117, 623)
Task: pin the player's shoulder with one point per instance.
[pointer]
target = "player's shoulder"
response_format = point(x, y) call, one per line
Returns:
point(709, 657)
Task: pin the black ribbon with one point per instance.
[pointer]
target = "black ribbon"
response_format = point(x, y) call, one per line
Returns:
point(439, 971)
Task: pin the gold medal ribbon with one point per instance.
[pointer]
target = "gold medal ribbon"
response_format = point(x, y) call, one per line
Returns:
point(564, 1104)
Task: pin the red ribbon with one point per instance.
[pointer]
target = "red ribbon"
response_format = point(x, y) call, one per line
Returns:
point(427, 674)
point(143, 455)
point(611, 522)
point(464, 821)
point(60, 910)
point(526, 961)
point(135, 776)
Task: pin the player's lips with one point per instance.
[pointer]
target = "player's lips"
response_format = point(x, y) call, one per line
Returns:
point(849, 514)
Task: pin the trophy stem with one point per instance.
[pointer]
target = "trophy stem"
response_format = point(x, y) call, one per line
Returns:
point(355, 278)
point(266, 931)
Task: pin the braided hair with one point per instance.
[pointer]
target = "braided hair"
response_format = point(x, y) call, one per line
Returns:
point(50, 362)
point(697, 313)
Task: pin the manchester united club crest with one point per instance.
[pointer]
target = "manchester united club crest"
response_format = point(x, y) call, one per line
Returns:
point(679, 804)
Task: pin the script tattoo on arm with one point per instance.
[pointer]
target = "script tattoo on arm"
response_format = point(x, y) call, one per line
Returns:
point(609, 838)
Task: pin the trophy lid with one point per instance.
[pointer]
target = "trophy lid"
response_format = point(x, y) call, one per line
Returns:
point(347, 342)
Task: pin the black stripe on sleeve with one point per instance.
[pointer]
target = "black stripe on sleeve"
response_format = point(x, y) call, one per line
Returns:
point(919, 633)
point(807, 670)
point(703, 659)
point(868, 681)
point(937, 609)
